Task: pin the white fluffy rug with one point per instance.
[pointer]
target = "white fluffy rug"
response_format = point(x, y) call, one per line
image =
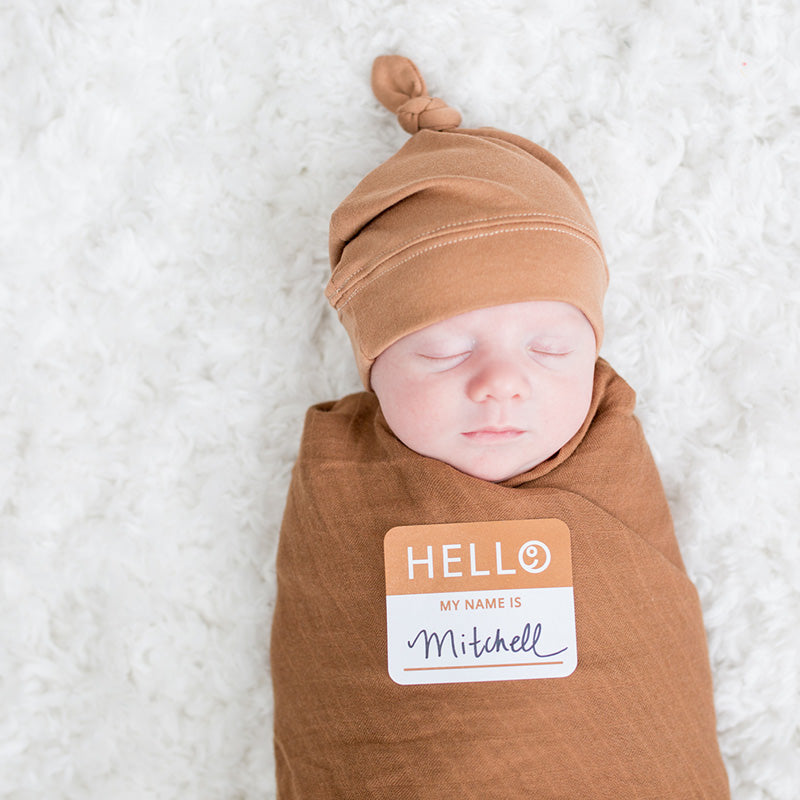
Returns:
point(167, 170)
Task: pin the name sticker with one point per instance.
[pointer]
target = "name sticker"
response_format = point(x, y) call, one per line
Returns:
point(480, 601)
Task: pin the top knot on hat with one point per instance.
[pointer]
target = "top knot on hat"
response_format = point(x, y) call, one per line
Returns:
point(398, 85)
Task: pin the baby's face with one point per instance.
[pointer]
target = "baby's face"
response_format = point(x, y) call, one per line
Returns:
point(492, 392)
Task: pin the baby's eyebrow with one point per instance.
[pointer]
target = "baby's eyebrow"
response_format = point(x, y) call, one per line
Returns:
point(447, 348)
point(443, 337)
point(550, 337)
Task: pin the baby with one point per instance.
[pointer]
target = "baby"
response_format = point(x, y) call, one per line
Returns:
point(480, 593)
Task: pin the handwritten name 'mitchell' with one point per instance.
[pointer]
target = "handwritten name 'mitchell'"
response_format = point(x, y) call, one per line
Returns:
point(480, 645)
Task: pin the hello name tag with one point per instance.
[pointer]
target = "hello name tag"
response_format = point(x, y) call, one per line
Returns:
point(480, 601)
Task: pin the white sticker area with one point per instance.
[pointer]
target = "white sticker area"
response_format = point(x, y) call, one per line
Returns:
point(491, 635)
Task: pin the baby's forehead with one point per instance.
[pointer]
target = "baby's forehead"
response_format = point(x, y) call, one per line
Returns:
point(545, 317)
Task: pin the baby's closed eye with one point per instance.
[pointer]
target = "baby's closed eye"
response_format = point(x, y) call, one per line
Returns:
point(446, 358)
point(550, 348)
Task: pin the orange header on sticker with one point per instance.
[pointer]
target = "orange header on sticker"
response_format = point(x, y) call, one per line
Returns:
point(476, 556)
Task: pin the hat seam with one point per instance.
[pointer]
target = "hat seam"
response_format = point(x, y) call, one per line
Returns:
point(575, 235)
point(376, 259)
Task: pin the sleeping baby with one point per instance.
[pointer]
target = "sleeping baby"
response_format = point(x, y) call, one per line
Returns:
point(480, 593)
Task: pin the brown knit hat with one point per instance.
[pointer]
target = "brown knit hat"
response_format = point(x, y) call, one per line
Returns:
point(456, 220)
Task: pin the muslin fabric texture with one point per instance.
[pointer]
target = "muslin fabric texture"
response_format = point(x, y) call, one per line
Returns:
point(636, 718)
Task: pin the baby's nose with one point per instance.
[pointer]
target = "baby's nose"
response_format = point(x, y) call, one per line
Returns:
point(499, 379)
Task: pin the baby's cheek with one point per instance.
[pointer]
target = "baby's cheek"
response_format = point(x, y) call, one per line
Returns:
point(567, 402)
point(428, 415)
point(425, 413)
point(580, 398)
point(408, 409)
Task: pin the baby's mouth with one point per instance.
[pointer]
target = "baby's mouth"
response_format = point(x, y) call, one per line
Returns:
point(491, 434)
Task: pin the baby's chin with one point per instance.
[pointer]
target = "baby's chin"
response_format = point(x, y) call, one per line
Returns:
point(497, 471)
point(500, 463)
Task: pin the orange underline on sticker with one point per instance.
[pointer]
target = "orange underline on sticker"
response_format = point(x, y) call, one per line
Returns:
point(484, 666)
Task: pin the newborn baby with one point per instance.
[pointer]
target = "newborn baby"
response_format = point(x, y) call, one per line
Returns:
point(480, 593)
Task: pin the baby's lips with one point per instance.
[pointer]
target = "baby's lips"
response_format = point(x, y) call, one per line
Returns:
point(490, 434)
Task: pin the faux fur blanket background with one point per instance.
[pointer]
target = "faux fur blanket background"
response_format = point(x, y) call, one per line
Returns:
point(167, 170)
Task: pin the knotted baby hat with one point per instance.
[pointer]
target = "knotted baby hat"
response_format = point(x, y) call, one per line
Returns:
point(458, 219)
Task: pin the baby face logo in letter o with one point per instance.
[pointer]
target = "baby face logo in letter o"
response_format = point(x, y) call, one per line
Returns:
point(534, 556)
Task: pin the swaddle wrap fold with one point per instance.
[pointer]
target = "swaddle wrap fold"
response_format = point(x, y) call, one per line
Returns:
point(634, 720)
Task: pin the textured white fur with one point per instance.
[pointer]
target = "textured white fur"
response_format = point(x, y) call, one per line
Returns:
point(167, 170)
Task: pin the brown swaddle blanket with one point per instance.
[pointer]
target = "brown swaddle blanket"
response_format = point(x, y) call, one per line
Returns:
point(634, 720)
